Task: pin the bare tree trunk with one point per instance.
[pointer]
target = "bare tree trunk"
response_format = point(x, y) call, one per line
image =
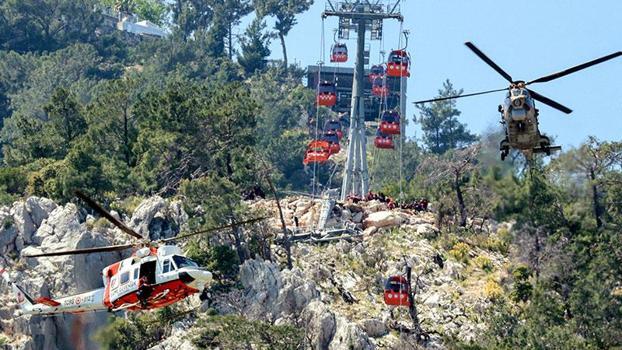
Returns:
point(461, 205)
point(230, 42)
point(288, 248)
point(282, 38)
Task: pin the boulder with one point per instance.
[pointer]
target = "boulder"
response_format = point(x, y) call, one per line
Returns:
point(382, 219)
point(320, 325)
point(29, 214)
point(374, 327)
point(349, 336)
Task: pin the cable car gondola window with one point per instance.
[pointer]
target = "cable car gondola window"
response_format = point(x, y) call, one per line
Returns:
point(136, 273)
point(166, 266)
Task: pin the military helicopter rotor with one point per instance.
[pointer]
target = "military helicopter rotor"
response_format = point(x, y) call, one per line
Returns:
point(520, 83)
point(144, 242)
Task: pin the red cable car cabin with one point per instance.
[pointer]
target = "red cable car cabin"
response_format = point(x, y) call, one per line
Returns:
point(327, 94)
point(339, 53)
point(396, 291)
point(376, 71)
point(333, 142)
point(379, 87)
point(383, 141)
point(398, 63)
point(333, 126)
point(390, 123)
point(317, 152)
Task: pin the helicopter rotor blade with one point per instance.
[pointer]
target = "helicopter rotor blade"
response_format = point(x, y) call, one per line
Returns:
point(212, 229)
point(458, 96)
point(548, 101)
point(575, 68)
point(103, 212)
point(110, 248)
point(490, 62)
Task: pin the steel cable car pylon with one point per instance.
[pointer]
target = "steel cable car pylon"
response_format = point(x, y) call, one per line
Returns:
point(358, 16)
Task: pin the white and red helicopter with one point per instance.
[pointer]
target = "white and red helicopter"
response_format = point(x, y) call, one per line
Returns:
point(158, 266)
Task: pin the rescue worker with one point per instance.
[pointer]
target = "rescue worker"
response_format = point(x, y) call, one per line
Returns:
point(144, 291)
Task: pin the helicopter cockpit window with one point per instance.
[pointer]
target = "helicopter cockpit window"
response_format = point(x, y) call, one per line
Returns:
point(181, 261)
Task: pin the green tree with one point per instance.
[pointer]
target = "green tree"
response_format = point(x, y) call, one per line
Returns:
point(441, 129)
point(43, 25)
point(64, 116)
point(255, 46)
point(284, 11)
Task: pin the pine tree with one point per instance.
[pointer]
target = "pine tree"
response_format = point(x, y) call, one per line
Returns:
point(439, 121)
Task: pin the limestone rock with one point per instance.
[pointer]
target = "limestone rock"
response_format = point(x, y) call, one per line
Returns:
point(374, 327)
point(382, 219)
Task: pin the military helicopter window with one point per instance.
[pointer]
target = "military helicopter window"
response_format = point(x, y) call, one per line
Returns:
point(181, 261)
point(125, 277)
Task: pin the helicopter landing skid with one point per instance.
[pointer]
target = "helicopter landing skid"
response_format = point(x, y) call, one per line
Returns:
point(547, 149)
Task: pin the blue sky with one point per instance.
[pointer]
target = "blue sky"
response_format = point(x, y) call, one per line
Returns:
point(528, 39)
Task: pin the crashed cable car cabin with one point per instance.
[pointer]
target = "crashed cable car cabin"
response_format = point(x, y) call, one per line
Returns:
point(383, 141)
point(326, 94)
point(396, 291)
point(317, 152)
point(390, 123)
point(339, 53)
point(398, 64)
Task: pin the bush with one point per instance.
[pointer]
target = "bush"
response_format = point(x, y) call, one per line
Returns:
point(222, 259)
point(492, 290)
point(522, 289)
point(235, 332)
point(460, 251)
point(496, 245)
point(484, 263)
point(12, 184)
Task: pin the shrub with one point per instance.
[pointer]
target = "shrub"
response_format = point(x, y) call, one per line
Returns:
point(460, 251)
point(522, 289)
point(220, 258)
point(492, 290)
point(484, 263)
point(496, 245)
point(235, 332)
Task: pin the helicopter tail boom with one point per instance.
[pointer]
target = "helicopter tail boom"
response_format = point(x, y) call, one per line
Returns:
point(24, 300)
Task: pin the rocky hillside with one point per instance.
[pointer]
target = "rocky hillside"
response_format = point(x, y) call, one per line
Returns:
point(333, 293)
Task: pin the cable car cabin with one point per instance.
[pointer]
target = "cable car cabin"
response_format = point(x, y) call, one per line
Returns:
point(396, 291)
point(318, 151)
point(390, 123)
point(383, 141)
point(333, 142)
point(327, 94)
point(398, 63)
point(339, 53)
point(379, 87)
point(333, 126)
point(376, 71)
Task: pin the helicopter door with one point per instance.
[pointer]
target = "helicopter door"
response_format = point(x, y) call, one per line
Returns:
point(148, 269)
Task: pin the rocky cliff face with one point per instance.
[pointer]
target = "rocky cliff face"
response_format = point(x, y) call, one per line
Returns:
point(450, 294)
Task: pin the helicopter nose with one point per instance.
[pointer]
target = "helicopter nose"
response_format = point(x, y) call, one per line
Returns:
point(192, 276)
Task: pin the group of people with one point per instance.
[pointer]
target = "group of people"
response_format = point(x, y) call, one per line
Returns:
point(417, 205)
